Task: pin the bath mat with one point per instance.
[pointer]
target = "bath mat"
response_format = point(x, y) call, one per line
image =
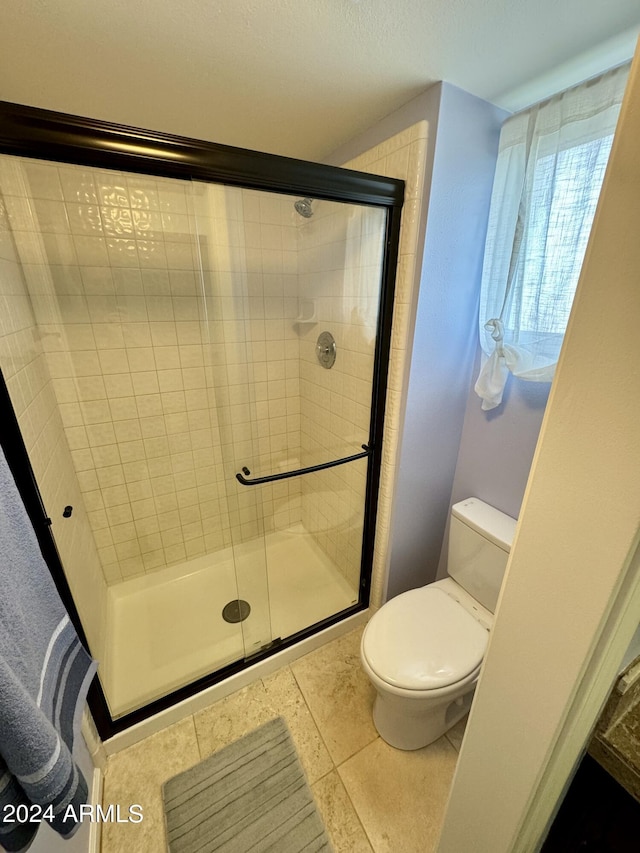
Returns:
point(250, 797)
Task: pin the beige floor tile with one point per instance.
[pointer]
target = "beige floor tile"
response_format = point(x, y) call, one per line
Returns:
point(136, 775)
point(241, 712)
point(380, 799)
point(455, 734)
point(287, 700)
point(342, 822)
point(232, 717)
point(339, 695)
point(400, 796)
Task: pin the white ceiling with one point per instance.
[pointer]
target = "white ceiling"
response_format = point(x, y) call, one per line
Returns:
point(295, 77)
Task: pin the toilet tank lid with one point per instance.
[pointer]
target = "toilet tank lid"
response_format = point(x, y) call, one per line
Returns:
point(496, 526)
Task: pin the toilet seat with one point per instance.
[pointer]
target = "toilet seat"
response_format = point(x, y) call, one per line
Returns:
point(423, 640)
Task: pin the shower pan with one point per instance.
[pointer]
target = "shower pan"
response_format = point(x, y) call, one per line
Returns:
point(194, 351)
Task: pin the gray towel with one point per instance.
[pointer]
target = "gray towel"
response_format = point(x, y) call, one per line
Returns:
point(44, 677)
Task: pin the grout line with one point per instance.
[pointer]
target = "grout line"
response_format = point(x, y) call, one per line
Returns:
point(313, 717)
point(315, 721)
point(195, 731)
point(451, 743)
point(335, 768)
point(358, 751)
point(446, 734)
point(353, 805)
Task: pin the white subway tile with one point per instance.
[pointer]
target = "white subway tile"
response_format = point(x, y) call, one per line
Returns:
point(141, 359)
point(145, 382)
point(149, 405)
point(136, 334)
point(105, 455)
point(89, 251)
point(118, 385)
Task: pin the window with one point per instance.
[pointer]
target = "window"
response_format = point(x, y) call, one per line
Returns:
point(551, 164)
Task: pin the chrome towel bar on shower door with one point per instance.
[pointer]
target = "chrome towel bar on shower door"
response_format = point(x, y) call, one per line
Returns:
point(366, 451)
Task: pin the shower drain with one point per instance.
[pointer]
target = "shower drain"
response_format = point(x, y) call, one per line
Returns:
point(236, 610)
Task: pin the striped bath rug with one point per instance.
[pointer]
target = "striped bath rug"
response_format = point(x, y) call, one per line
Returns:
point(250, 797)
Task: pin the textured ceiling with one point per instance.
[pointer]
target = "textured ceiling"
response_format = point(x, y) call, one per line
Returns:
point(293, 77)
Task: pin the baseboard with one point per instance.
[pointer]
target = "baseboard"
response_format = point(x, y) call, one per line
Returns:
point(92, 740)
point(95, 829)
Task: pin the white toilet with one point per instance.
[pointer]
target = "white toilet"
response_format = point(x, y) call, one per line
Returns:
point(423, 649)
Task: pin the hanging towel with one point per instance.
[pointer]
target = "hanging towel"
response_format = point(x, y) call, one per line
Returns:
point(44, 678)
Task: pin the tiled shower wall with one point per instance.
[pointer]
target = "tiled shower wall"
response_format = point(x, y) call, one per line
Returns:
point(261, 348)
point(169, 315)
point(125, 349)
point(401, 156)
point(340, 269)
point(25, 371)
point(166, 377)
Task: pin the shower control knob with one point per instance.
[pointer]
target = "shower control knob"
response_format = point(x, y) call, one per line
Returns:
point(326, 349)
point(66, 513)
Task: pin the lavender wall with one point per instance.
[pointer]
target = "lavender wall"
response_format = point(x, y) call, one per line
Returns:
point(466, 143)
point(497, 447)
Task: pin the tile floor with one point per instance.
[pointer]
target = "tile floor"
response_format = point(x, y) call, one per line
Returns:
point(372, 797)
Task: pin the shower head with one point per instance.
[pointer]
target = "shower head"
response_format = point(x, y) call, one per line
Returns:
point(303, 207)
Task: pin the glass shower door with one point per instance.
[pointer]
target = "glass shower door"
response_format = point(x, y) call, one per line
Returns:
point(223, 272)
point(293, 297)
point(198, 373)
point(108, 360)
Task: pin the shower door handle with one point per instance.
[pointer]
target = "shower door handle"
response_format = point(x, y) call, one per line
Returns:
point(271, 478)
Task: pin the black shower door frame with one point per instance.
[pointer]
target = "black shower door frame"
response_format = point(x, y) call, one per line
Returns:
point(59, 137)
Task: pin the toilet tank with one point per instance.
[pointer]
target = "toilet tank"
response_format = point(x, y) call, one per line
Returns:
point(480, 538)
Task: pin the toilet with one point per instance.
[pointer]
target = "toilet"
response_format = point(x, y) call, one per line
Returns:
point(423, 650)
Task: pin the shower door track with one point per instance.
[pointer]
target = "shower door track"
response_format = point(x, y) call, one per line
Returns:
point(285, 475)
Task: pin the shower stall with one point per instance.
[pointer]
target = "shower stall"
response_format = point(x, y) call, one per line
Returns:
point(194, 342)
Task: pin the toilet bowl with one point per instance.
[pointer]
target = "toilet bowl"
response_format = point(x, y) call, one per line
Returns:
point(423, 650)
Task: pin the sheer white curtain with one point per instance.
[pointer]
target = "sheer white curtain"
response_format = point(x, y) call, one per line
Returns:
point(551, 164)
